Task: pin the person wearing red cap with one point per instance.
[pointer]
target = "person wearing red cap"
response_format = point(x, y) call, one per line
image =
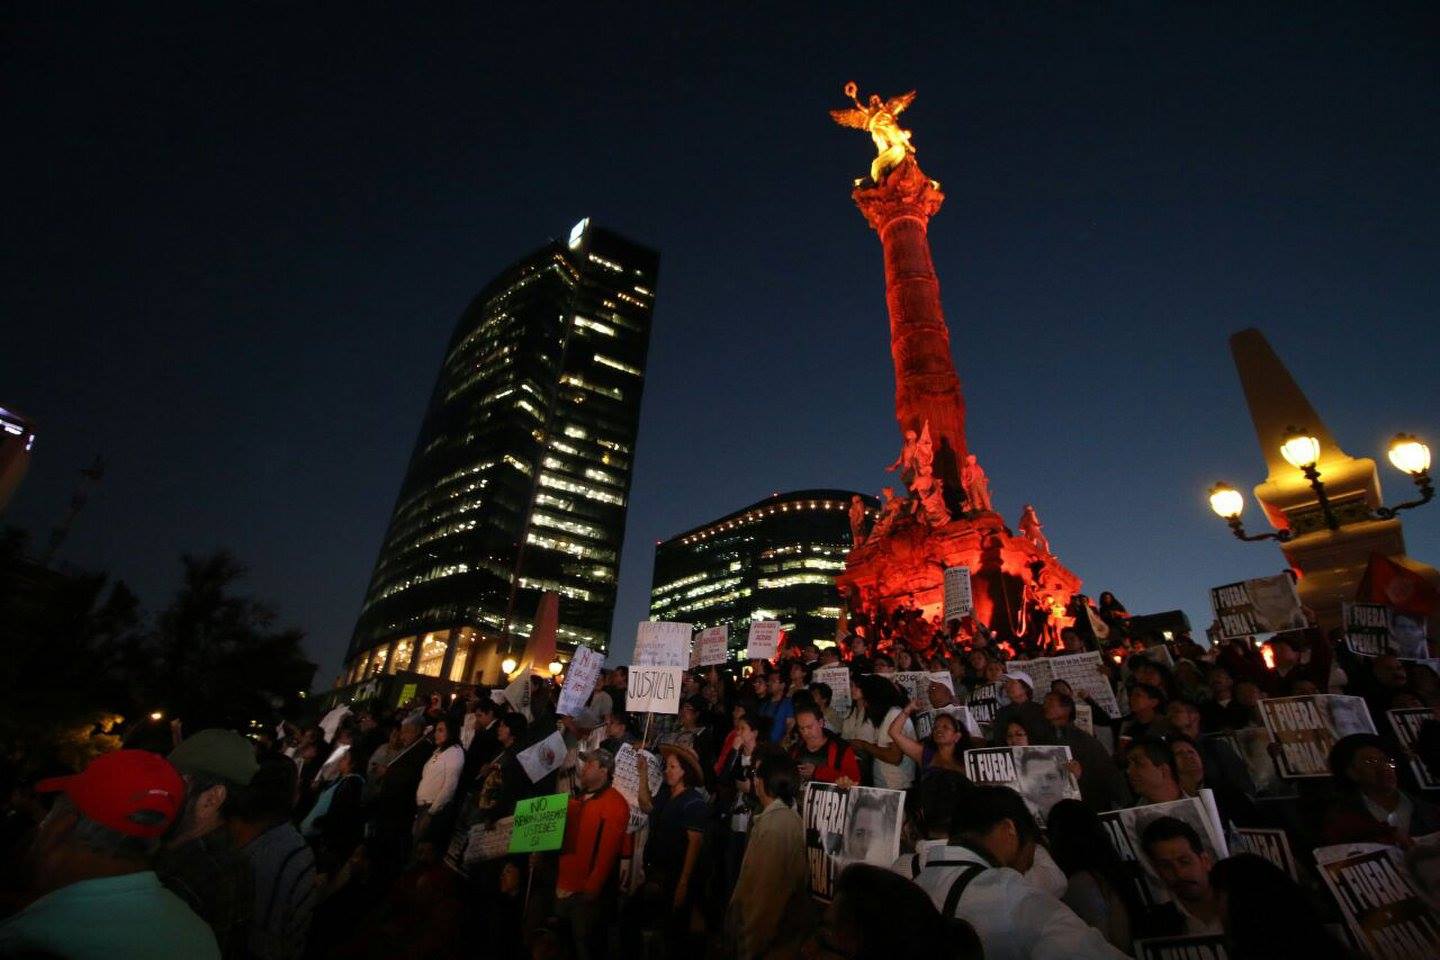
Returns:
point(98, 896)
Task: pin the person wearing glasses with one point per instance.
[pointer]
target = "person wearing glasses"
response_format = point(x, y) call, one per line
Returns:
point(1370, 806)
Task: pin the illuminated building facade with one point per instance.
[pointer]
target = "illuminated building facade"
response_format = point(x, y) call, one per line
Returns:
point(773, 560)
point(520, 477)
point(17, 437)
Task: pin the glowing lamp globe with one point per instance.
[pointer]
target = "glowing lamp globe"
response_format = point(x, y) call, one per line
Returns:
point(508, 665)
point(1300, 450)
point(1409, 455)
point(1226, 501)
point(156, 715)
point(556, 667)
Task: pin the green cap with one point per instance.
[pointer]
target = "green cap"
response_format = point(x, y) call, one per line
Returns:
point(219, 753)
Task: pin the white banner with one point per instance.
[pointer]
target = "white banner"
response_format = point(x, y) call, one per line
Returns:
point(763, 641)
point(711, 647)
point(580, 679)
point(662, 644)
point(543, 758)
point(959, 599)
point(838, 680)
point(627, 780)
point(653, 689)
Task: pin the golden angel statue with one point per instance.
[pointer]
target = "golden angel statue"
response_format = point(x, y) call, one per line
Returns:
point(892, 144)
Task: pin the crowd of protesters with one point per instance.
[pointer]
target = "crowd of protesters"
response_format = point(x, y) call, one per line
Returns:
point(331, 840)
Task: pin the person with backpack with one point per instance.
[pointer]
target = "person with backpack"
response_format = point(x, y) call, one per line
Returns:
point(819, 754)
point(979, 878)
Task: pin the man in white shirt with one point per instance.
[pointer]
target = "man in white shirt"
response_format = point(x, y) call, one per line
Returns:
point(978, 877)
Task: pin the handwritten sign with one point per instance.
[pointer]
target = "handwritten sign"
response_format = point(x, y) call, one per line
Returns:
point(711, 647)
point(763, 641)
point(662, 644)
point(653, 689)
point(579, 681)
point(838, 680)
point(539, 823)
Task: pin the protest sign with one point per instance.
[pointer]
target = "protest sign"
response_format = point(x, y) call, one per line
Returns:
point(539, 823)
point(914, 686)
point(838, 680)
point(963, 717)
point(662, 644)
point(711, 647)
point(539, 760)
point(517, 694)
point(1307, 727)
point(984, 702)
point(473, 840)
point(653, 689)
point(1261, 605)
point(1199, 947)
point(1368, 631)
point(1085, 675)
point(943, 678)
point(959, 599)
point(1381, 907)
point(1124, 827)
point(845, 826)
point(1408, 633)
point(579, 681)
point(407, 693)
point(1252, 746)
point(1406, 724)
point(627, 780)
point(763, 640)
point(1271, 843)
point(1040, 774)
point(1084, 718)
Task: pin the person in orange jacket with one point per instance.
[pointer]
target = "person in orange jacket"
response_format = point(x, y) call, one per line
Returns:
point(595, 825)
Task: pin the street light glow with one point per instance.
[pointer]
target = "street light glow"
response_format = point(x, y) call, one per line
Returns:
point(1409, 455)
point(1300, 450)
point(508, 665)
point(1226, 501)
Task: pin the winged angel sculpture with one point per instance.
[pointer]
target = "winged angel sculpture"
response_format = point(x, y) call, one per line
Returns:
point(892, 144)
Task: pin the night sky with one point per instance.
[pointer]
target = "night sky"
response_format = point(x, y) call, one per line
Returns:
point(237, 242)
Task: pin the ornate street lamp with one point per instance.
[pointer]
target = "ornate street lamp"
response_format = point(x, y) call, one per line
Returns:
point(1228, 504)
point(1407, 453)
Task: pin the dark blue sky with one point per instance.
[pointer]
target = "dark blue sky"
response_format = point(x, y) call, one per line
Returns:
point(236, 242)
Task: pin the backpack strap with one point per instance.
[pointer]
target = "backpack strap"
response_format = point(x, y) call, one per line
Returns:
point(915, 865)
point(957, 887)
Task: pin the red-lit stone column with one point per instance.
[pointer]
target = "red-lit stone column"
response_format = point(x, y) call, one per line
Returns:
point(926, 387)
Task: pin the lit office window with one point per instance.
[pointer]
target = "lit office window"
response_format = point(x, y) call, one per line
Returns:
point(400, 659)
point(464, 643)
point(432, 653)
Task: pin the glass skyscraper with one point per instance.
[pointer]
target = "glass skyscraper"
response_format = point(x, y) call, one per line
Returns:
point(774, 560)
point(519, 480)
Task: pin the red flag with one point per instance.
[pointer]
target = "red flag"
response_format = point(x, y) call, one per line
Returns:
point(1387, 580)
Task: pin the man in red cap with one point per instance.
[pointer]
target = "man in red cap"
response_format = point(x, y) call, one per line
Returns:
point(91, 856)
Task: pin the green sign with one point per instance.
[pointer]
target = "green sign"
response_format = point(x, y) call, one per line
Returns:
point(407, 693)
point(539, 823)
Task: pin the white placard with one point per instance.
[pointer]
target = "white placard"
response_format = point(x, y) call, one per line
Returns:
point(838, 680)
point(653, 689)
point(580, 679)
point(627, 780)
point(662, 644)
point(711, 647)
point(1259, 605)
point(543, 758)
point(959, 598)
point(763, 641)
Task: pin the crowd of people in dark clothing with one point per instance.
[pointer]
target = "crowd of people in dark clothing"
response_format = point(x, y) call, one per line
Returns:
point(346, 837)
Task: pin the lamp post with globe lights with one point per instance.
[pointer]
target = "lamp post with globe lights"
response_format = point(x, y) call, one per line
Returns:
point(1407, 453)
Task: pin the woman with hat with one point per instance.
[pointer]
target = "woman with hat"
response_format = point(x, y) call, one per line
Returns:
point(679, 815)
